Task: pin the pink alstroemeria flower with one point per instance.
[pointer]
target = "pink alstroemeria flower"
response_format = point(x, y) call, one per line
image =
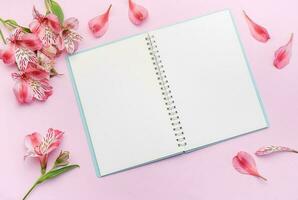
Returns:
point(20, 49)
point(68, 39)
point(46, 27)
point(32, 83)
point(40, 147)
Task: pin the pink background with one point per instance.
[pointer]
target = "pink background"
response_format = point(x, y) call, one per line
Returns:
point(204, 174)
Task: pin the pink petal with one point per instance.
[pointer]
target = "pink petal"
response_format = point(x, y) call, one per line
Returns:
point(16, 34)
point(50, 51)
point(53, 23)
point(36, 74)
point(42, 90)
point(32, 140)
point(137, 13)
point(71, 41)
point(30, 41)
point(59, 42)
point(8, 55)
point(34, 26)
point(283, 55)
point(23, 92)
point(36, 14)
point(24, 56)
point(266, 150)
point(245, 164)
point(47, 36)
point(71, 23)
point(99, 24)
point(257, 31)
point(56, 137)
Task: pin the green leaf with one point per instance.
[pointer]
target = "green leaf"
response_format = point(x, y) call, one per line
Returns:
point(12, 24)
point(56, 172)
point(56, 9)
point(2, 37)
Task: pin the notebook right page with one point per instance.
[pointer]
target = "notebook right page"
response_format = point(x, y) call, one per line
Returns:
point(210, 79)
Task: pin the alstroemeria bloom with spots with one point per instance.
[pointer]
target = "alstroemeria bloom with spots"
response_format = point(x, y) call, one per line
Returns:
point(46, 27)
point(40, 147)
point(69, 39)
point(32, 83)
point(20, 49)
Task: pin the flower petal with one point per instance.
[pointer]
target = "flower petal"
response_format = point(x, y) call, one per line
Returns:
point(283, 55)
point(32, 140)
point(47, 36)
point(41, 89)
point(34, 26)
point(257, 31)
point(53, 23)
point(99, 25)
point(71, 23)
point(36, 14)
point(23, 92)
point(24, 56)
point(60, 43)
point(45, 63)
point(8, 55)
point(34, 72)
point(70, 41)
point(53, 138)
point(137, 13)
point(245, 164)
point(266, 150)
point(30, 41)
point(50, 51)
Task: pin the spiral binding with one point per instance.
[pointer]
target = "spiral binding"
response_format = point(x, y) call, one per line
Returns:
point(166, 91)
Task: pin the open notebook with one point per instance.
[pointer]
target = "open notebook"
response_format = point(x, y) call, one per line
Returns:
point(165, 92)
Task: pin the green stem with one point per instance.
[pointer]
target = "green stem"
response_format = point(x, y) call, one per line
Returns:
point(2, 37)
point(30, 190)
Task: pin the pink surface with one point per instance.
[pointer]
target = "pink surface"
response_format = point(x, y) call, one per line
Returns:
point(204, 174)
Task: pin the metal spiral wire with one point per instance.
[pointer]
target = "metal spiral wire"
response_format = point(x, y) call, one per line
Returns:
point(166, 90)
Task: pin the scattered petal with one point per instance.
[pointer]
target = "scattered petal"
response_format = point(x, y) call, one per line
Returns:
point(267, 150)
point(283, 55)
point(245, 164)
point(137, 13)
point(99, 25)
point(257, 31)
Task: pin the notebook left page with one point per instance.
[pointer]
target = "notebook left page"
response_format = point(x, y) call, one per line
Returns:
point(121, 105)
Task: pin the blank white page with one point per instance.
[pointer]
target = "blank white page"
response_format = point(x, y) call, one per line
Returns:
point(209, 79)
point(122, 104)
